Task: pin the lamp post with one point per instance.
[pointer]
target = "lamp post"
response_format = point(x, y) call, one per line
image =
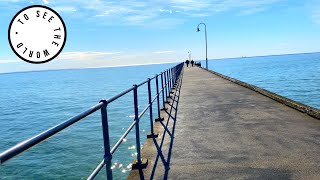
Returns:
point(205, 30)
point(189, 55)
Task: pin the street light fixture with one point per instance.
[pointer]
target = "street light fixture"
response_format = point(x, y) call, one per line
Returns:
point(205, 30)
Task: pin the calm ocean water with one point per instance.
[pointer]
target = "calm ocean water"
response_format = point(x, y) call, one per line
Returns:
point(31, 102)
point(294, 76)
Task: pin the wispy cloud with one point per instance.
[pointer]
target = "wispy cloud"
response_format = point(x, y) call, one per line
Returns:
point(315, 11)
point(63, 9)
point(9, 61)
point(316, 17)
point(163, 52)
point(138, 12)
point(86, 55)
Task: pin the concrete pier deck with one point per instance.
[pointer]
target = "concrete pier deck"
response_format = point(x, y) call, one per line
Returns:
point(226, 131)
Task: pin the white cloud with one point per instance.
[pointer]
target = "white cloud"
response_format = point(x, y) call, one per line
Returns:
point(62, 9)
point(316, 16)
point(85, 55)
point(139, 12)
point(163, 52)
point(9, 61)
point(315, 11)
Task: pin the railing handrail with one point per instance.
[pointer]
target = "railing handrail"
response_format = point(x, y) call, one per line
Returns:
point(25, 145)
point(170, 75)
point(103, 162)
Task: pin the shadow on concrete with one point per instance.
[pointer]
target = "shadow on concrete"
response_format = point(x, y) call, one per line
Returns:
point(157, 150)
point(171, 113)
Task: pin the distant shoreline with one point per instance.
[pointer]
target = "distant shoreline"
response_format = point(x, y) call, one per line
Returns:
point(240, 57)
point(119, 66)
point(116, 66)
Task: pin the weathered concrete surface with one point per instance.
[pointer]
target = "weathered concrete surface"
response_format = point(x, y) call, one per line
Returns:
point(226, 131)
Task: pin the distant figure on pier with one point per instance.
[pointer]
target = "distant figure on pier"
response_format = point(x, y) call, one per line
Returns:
point(187, 62)
point(192, 62)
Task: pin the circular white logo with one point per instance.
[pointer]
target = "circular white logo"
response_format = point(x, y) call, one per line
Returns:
point(37, 34)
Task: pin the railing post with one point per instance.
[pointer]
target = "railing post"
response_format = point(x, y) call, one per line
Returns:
point(169, 80)
point(172, 75)
point(168, 83)
point(165, 83)
point(163, 89)
point(158, 99)
point(152, 134)
point(175, 74)
point(106, 139)
point(138, 164)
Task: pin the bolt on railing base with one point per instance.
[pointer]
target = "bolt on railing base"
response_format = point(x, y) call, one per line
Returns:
point(154, 135)
point(164, 109)
point(159, 119)
point(143, 165)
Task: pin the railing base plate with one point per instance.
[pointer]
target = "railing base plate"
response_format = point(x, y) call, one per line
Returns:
point(154, 135)
point(159, 119)
point(143, 165)
point(164, 109)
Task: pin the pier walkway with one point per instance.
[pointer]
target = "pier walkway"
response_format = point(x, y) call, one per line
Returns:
point(226, 131)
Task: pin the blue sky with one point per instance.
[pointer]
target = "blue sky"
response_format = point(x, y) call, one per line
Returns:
point(113, 33)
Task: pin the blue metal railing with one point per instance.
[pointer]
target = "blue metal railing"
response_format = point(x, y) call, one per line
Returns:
point(168, 79)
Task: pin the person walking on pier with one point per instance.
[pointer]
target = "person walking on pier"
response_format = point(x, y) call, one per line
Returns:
point(187, 62)
point(192, 62)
